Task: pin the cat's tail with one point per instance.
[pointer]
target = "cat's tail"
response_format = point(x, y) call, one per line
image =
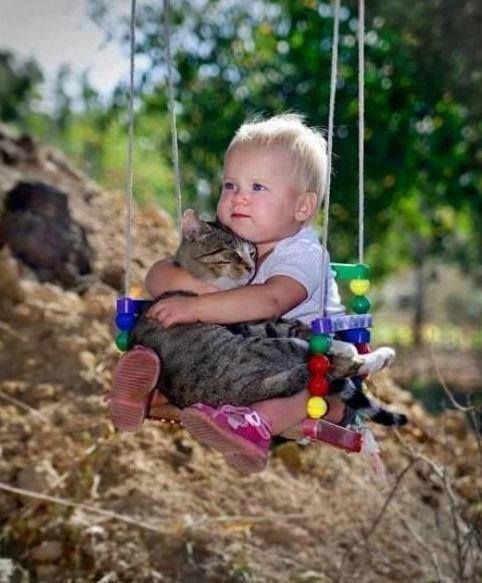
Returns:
point(351, 393)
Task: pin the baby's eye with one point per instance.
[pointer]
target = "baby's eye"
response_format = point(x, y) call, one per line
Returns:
point(257, 186)
point(228, 185)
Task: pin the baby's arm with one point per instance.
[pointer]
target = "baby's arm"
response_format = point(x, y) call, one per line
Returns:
point(165, 276)
point(268, 300)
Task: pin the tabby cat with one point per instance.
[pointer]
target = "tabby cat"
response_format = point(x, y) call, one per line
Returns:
point(242, 363)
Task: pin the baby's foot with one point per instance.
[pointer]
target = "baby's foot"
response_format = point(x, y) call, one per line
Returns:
point(135, 377)
point(376, 360)
point(239, 433)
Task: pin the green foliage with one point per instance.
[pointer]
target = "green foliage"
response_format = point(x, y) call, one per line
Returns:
point(237, 59)
point(19, 83)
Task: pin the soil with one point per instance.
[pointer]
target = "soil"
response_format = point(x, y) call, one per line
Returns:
point(316, 514)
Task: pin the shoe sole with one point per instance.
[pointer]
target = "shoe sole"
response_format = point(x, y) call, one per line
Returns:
point(240, 453)
point(134, 381)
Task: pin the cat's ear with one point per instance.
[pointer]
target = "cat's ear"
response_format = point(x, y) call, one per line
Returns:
point(190, 225)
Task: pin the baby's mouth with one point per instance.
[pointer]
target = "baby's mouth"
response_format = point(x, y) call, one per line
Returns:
point(239, 216)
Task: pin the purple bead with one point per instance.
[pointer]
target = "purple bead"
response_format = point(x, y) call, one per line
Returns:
point(354, 336)
point(328, 325)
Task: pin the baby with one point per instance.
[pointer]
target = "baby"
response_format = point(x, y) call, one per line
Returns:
point(273, 180)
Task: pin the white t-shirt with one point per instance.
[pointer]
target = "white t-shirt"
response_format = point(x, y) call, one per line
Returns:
point(301, 257)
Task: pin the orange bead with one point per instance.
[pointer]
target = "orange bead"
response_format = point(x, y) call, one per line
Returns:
point(318, 386)
point(318, 364)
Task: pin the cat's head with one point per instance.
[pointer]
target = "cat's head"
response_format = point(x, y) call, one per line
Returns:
point(213, 253)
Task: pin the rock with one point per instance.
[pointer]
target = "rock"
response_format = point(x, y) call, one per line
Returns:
point(37, 477)
point(10, 286)
point(47, 552)
point(289, 453)
point(99, 301)
point(41, 392)
point(468, 488)
point(39, 229)
point(12, 572)
point(87, 360)
point(277, 533)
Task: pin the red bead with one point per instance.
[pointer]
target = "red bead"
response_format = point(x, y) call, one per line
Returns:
point(318, 364)
point(318, 386)
point(363, 348)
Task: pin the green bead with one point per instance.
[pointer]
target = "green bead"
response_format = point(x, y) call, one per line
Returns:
point(123, 341)
point(319, 343)
point(348, 271)
point(360, 304)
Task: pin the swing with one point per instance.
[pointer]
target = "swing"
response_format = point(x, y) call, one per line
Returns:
point(352, 328)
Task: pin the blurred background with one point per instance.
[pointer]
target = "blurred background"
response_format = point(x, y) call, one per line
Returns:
point(64, 70)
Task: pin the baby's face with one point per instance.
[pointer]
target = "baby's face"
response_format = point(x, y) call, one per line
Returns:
point(260, 195)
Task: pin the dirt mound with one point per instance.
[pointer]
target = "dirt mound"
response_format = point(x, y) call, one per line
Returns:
point(168, 510)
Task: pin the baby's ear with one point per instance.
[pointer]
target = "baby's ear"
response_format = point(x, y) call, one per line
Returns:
point(190, 225)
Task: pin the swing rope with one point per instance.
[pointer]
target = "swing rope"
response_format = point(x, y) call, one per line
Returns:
point(331, 117)
point(172, 109)
point(361, 129)
point(129, 186)
point(361, 140)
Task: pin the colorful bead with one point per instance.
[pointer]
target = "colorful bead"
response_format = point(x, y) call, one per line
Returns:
point(355, 336)
point(359, 287)
point(318, 386)
point(360, 304)
point(123, 341)
point(348, 271)
point(125, 322)
point(318, 364)
point(316, 407)
point(319, 343)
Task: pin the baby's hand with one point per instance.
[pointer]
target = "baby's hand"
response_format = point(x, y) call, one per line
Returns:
point(174, 310)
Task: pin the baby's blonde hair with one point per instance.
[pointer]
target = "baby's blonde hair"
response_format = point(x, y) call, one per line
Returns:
point(306, 145)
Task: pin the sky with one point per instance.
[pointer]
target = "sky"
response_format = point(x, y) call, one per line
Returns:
point(55, 32)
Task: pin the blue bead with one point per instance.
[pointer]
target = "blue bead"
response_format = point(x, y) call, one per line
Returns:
point(125, 322)
point(355, 336)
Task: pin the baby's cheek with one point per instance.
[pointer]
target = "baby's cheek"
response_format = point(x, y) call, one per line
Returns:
point(222, 212)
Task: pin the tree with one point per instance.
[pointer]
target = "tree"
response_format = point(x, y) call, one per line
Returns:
point(19, 82)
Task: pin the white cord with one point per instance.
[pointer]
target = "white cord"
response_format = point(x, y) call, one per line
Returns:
point(130, 155)
point(361, 129)
point(331, 117)
point(172, 108)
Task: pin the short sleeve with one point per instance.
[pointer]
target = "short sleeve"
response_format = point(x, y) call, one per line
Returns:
point(302, 261)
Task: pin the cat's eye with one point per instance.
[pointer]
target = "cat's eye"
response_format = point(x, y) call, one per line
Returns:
point(211, 253)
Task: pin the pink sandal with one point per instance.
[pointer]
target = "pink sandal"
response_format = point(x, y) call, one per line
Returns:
point(239, 433)
point(135, 378)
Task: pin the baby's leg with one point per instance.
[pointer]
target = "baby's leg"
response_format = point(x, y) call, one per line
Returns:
point(289, 411)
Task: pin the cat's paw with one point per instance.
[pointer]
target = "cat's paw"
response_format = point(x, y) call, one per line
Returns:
point(377, 360)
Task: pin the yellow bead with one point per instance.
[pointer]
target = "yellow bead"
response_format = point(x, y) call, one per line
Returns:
point(359, 287)
point(136, 292)
point(316, 407)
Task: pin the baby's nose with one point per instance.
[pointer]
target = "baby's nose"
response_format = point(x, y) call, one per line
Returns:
point(240, 196)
